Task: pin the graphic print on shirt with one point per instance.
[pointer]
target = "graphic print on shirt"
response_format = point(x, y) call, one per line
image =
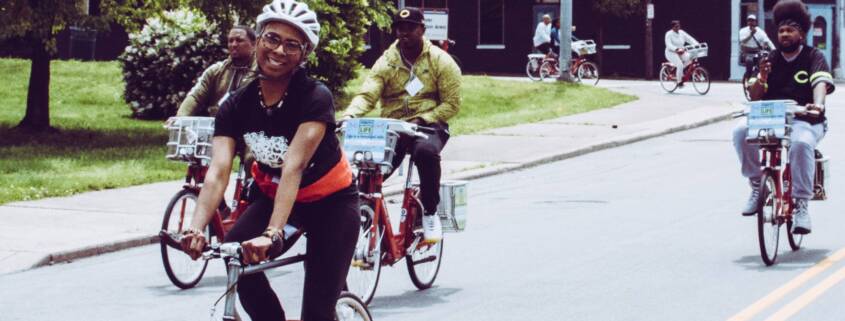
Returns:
point(269, 151)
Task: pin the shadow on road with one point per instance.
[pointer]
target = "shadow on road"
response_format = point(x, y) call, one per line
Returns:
point(787, 260)
point(383, 305)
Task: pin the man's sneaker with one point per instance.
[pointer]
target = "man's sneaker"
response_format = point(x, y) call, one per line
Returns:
point(753, 204)
point(432, 230)
point(801, 217)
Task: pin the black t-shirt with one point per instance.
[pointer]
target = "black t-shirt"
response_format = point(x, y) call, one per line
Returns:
point(268, 136)
point(795, 80)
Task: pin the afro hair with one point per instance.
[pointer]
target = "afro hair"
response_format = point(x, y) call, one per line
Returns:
point(794, 10)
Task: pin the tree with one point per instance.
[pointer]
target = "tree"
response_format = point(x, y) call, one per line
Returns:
point(343, 28)
point(613, 8)
point(37, 22)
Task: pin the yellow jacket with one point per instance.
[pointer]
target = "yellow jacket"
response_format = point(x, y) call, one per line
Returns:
point(438, 101)
point(213, 85)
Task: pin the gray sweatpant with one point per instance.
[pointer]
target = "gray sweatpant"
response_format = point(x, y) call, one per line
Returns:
point(802, 158)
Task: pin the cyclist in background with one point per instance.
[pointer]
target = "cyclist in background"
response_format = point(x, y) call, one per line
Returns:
point(752, 41)
point(799, 73)
point(543, 35)
point(418, 83)
point(675, 52)
point(222, 77)
point(287, 119)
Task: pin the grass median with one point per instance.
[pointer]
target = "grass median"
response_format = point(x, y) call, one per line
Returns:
point(100, 146)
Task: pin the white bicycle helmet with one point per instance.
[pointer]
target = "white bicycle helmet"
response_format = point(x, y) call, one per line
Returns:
point(294, 13)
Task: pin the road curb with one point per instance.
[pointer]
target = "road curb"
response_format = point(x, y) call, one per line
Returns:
point(94, 250)
point(497, 169)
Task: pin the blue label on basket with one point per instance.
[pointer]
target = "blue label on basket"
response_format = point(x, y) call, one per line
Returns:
point(767, 118)
point(367, 137)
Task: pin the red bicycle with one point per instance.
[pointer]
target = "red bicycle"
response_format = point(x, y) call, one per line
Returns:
point(190, 141)
point(372, 143)
point(694, 72)
point(769, 127)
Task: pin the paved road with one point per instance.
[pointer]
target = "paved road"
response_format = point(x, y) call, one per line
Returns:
point(648, 231)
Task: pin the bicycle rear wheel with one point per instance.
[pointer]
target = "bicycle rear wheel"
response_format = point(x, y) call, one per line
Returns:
point(350, 308)
point(532, 69)
point(700, 80)
point(364, 273)
point(424, 263)
point(768, 225)
point(667, 80)
point(588, 73)
point(182, 271)
point(794, 239)
point(547, 70)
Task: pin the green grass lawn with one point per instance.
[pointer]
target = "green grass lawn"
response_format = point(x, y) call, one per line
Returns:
point(99, 146)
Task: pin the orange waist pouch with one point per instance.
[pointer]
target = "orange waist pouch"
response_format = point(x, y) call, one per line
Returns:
point(338, 178)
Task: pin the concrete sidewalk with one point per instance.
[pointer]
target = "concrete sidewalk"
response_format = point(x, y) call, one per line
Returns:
point(54, 230)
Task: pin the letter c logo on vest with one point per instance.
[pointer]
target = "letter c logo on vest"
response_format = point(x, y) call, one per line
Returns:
point(802, 77)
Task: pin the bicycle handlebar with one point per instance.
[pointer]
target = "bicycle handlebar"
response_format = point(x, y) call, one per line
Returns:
point(224, 250)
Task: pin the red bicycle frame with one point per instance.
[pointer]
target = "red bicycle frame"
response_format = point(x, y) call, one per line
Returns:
point(220, 222)
point(771, 160)
point(370, 182)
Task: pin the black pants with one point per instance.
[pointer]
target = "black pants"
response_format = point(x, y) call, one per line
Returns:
point(426, 154)
point(544, 47)
point(331, 228)
point(750, 61)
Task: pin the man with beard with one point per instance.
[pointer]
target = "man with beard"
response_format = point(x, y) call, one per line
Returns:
point(798, 73)
point(222, 77)
point(419, 83)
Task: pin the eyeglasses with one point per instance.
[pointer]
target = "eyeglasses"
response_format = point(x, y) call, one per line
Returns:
point(290, 47)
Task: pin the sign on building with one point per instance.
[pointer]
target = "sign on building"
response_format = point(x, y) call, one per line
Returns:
point(436, 24)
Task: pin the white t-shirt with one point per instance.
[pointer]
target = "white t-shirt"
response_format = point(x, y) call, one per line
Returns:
point(760, 35)
point(675, 40)
point(542, 34)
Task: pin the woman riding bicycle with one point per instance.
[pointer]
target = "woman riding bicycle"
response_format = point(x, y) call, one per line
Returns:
point(287, 119)
point(675, 52)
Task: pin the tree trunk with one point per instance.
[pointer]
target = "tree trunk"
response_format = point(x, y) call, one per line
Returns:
point(37, 116)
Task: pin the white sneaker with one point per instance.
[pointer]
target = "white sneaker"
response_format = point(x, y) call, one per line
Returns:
point(432, 230)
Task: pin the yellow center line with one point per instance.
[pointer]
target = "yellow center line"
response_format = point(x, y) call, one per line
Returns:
point(790, 286)
point(802, 301)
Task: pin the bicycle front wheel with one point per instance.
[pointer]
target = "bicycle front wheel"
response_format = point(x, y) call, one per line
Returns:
point(745, 90)
point(364, 273)
point(768, 225)
point(700, 80)
point(350, 308)
point(182, 271)
point(532, 69)
point(667, 80)
point(588, 73)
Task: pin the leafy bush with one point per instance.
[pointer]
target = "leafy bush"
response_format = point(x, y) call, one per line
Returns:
point(165, 58)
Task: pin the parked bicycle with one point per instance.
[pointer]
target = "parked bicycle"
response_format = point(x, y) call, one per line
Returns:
point(190, 141)
point(755, 69)
point(694, 72)
point(371, 143)
point(769, 125)
point(348, 307)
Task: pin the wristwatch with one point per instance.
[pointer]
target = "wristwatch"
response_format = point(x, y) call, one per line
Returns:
point(273, 234)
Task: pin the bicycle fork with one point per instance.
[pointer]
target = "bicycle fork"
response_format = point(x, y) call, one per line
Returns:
point(233, 269)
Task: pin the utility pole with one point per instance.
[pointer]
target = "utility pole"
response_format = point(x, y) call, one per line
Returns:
point(649, 35)
point(565, 34)
point(838, 70)
point(761, 15)
point(401, 4)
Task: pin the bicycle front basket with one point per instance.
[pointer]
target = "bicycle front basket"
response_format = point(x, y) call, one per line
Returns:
point(189, 138)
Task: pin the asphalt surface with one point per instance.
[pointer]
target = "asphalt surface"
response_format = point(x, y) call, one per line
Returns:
point(648, 231)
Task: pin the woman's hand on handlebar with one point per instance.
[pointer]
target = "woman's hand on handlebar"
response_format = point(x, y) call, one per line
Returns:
point(193, 242)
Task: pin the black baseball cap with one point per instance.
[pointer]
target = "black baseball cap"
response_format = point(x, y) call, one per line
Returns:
point(409, 14)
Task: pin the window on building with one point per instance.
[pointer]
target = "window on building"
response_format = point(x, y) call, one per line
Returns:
point(491, 22)
point(435, 4)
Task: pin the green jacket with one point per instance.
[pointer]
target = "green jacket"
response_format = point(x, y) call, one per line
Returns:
point(438, 101)
point(204, 97)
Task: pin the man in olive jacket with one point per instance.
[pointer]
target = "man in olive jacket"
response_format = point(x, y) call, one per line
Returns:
point(419, 83)
point(222, 77)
